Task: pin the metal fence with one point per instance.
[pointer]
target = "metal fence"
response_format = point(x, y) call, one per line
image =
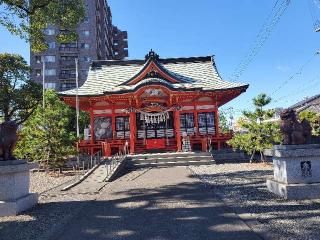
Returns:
point(112, 163)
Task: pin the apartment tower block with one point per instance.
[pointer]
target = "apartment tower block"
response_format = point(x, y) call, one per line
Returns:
point(98, 39)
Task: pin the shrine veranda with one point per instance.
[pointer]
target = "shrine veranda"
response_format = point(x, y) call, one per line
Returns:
point(151, 105)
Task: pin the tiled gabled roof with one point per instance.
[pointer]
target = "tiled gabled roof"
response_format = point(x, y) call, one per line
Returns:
point(309, 104)
point(108, 76)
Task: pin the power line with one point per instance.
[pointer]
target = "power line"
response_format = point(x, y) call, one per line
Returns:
point(299, 72)
point(261, 38)
point(310, 84)
point(313, 4)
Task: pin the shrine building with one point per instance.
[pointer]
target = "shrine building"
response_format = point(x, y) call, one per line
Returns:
point(154, 104)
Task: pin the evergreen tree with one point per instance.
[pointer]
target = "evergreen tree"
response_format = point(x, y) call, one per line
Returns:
point(223, 123)
point(28, 19)
point(314, 119)
point(259, 133)
point(19, 96)
point(45, 137)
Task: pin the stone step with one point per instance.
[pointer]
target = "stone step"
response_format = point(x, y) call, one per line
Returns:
point(172, 159)
point(228, 156)
point(170, 164)
point(168, 155)
point(169, 159)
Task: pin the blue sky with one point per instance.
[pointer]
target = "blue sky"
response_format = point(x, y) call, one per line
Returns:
point(226, 29)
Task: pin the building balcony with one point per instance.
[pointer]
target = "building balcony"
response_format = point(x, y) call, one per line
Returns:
point(68, 49)
point(67, 76)
point(68, 64)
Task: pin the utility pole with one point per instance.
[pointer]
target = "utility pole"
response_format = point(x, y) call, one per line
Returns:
point(77, 97)
point(77, 109)
point(43, 79)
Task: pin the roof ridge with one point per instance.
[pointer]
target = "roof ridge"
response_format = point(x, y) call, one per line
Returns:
point(99, 63)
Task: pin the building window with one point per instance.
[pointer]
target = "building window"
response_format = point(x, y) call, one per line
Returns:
point(50, 72)
point(49, 58)
point(187, 123)
point(50, 85)
point(68, 58)
point(86, 33)
point(74, 45)
point(122, 127)
point(38, 72)
point(102, 128)
point(68, 46)
point(87, 59)
point(38, 59)
point(206, 123)
point(49, 31)
point(51, 45)
point(85, 46)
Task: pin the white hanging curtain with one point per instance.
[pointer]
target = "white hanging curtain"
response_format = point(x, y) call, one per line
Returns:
point(154, 117)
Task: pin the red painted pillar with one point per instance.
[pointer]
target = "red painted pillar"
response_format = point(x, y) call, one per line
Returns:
point(178, 131)
point(92, 126)
point(217, 127)
point(113, 122)
point(196, 124)
point(132, 132)
point(91, 130)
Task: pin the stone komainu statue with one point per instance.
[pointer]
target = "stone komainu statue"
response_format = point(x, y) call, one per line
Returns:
point(292, 130)
point(8, 139)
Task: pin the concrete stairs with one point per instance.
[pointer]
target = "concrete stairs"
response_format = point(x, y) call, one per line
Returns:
point(229, 156)
point(94, 180)
point(169, 159)
point(171, 146)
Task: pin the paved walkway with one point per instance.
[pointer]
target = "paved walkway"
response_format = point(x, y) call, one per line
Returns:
point(93, 183)
point(165, 203)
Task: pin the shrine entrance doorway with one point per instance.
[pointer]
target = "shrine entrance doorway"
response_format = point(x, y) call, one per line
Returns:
point(156, 135)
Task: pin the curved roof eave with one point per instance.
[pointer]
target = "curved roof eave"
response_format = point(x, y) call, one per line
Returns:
point(123, 91)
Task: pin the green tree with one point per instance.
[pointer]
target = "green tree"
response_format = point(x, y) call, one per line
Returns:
point(223, 120)
point(258, 132)
point(314, 119)
point(28, 19)
point(19, 96)
point(84, 121)
point(45, 137)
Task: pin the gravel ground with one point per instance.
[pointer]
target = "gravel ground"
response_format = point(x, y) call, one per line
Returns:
point(42, 182)
point(243, 187)
point(53, 211)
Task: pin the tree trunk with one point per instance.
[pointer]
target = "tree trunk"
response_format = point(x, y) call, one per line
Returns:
point(252, 156)
point(263, 157)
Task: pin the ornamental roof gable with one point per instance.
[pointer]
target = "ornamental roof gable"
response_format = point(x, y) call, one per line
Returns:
point(153, 69)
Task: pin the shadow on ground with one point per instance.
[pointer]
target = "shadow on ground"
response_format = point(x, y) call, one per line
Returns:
point(186, 210)
point(180, 211)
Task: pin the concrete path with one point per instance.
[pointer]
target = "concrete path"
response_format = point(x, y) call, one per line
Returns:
point(93, 183)
point(165, 203)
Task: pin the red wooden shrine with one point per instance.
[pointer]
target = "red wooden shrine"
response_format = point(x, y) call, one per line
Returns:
point(154, 104)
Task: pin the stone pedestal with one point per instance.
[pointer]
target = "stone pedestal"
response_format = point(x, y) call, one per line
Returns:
point(14, 187)
point(296, 171)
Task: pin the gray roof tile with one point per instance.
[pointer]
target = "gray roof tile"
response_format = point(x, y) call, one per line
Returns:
point(107, 76)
